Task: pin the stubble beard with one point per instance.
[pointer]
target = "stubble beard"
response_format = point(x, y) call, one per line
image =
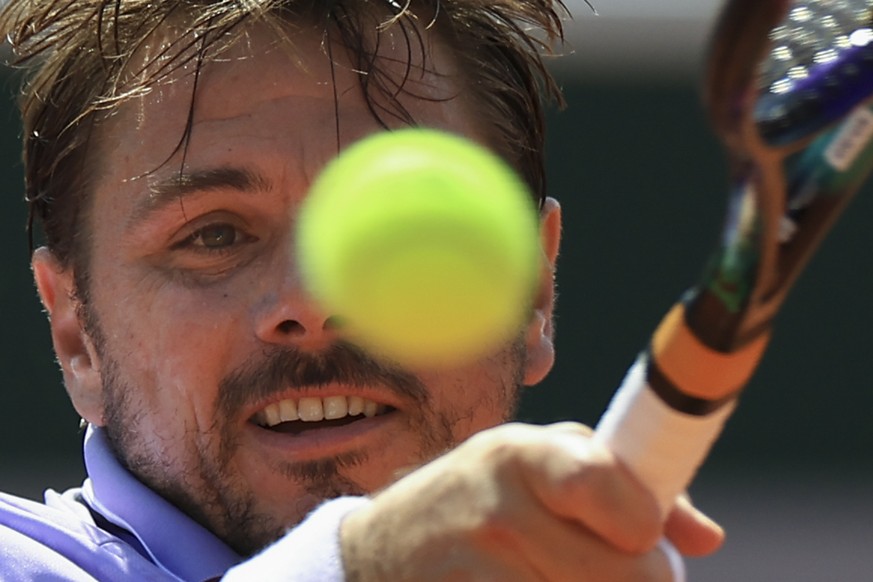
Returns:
point(210, 492)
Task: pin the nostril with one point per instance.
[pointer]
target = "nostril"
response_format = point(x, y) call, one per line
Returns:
point(332, 323)
point(290, 327)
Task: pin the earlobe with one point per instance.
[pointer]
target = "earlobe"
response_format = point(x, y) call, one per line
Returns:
point(73, 348)
point(540, 332)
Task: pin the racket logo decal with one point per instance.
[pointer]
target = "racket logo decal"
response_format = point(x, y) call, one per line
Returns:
point(850, 140)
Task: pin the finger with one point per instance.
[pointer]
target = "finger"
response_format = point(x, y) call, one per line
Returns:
point(578, 480)
point(691, 531)
point(570, 427)
point(560, 549)
point(466, 562)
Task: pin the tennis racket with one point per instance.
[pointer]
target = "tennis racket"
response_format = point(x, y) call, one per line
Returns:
point(789, 90)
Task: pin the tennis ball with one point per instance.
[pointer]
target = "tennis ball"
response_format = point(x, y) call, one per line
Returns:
point(423, 244)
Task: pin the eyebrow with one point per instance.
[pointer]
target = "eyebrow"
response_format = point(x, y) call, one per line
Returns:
point(175, 188)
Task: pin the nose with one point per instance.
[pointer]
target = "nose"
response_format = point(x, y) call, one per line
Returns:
point(292, 317)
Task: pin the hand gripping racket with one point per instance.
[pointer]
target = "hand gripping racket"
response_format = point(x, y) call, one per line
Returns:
point(789, 90)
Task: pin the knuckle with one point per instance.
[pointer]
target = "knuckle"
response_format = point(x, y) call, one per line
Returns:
point(642, 541)
point(645, 534)
point(581, 486)
point(497, 532)
point(504, 445)
point(498, 435)
point(594, 474)
point(572, 427)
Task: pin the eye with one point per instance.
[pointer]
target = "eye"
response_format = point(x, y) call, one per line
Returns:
point(212, 248)
point(214, 237)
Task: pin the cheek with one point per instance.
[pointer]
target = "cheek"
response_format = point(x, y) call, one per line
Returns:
point(172, 343)
point(196, 343)
point(476, 398)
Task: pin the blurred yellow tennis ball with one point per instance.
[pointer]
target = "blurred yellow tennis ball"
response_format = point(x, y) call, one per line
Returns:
point(423, 244)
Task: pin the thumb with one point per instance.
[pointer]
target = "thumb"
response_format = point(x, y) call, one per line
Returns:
point(691, 531)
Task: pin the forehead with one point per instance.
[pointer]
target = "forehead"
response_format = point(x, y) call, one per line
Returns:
point(305, 78)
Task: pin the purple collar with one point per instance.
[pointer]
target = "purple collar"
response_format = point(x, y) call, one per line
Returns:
point(171, 539)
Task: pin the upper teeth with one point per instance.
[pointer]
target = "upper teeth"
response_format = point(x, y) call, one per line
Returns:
point(313, 409)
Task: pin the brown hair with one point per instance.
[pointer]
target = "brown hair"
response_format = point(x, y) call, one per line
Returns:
point(81, 52)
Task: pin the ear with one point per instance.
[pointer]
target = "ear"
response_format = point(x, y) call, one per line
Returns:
point(540, 331)
point(74, 350)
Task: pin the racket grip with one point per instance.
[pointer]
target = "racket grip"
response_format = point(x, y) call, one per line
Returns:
point(673, 404)
point(661, 446)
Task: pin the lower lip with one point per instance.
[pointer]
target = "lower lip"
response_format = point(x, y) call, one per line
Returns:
point(318, 443)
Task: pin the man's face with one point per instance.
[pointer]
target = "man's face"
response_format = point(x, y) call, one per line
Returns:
point(201, 333)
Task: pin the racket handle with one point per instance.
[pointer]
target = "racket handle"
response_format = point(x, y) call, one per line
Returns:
point(662, 447)
point(673, 404)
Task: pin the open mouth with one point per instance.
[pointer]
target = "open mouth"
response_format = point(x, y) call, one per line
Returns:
point(293, 416)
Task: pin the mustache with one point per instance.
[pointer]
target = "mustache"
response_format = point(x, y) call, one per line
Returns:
point(282, 368)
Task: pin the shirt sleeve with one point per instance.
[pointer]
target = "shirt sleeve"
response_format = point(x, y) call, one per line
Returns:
point(308, 553)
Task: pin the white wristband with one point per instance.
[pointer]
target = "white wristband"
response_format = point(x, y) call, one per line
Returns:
point(308, 553)
point(674, 558)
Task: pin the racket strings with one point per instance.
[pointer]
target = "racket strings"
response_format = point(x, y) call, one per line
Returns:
point(813, 33)
point(819, 68)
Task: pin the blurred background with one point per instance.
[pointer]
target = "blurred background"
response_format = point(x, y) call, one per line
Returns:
point(642, 184)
